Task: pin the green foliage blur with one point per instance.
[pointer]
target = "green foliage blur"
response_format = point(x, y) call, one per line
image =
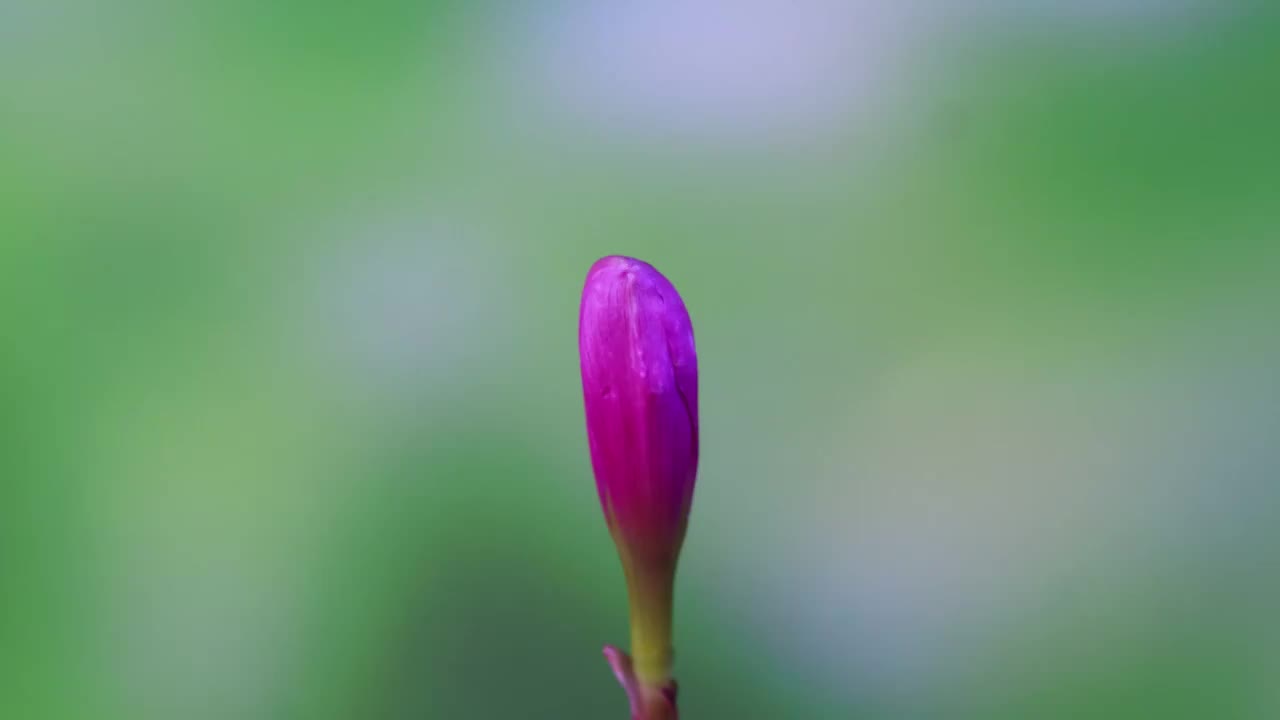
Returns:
point(986, 305)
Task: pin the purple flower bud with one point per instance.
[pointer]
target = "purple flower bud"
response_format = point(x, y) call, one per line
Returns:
point(640, 388)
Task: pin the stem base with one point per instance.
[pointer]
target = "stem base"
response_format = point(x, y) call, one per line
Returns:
point(649, 701)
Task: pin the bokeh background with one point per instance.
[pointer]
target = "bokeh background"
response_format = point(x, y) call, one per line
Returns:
point(986, 297)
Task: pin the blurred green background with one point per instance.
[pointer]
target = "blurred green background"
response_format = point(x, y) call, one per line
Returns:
point(986, 297)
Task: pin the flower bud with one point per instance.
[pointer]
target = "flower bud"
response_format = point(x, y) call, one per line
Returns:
point(640, 389)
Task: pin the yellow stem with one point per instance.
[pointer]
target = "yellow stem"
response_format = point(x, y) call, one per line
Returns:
point(650, 591)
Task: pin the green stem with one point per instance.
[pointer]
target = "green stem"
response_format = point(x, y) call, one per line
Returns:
point(648, 701)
